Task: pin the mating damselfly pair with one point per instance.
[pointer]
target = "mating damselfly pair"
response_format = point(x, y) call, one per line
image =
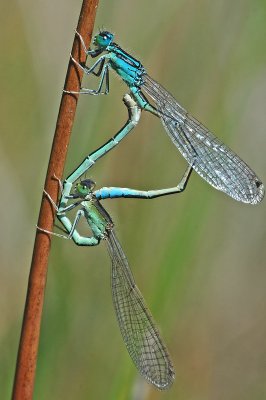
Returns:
point(207, 155)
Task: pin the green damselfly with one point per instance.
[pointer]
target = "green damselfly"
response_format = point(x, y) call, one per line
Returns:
point(138, 329)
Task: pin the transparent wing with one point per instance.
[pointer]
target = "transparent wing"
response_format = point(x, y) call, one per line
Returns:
point(138, 329)
point(212, 159)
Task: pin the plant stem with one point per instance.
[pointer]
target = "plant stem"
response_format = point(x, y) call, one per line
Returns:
point(29, 341)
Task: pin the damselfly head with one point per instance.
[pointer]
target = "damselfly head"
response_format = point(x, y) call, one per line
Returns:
point(85, 187)
point(103, 39)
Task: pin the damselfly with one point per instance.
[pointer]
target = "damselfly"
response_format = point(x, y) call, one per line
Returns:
point(210, 158)
point(136, 323)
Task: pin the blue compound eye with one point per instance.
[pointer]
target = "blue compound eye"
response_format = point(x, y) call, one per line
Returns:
point(103, 39)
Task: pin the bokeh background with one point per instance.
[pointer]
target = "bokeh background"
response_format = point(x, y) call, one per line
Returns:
point(198, 258)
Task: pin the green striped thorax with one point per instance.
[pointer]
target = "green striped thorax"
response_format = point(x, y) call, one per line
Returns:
point(97, 217)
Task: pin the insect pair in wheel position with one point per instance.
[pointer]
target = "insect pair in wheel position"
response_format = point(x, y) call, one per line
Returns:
point(205, 153)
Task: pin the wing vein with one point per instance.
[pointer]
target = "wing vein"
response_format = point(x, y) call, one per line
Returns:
point(211, 159)
point(137, 327)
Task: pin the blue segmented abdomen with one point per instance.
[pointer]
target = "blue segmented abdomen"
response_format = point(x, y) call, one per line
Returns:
point(114, 192)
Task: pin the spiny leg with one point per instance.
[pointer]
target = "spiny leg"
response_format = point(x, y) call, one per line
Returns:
point(60, 209)
point(71, 227)
point(59, 183)
point(101, 72)
point(86, 69)
point(82, 42)
point(98, 73)
point(61, 212)
point(51, 200)
point(73, 233)
point(105, 76)
point(92, 53)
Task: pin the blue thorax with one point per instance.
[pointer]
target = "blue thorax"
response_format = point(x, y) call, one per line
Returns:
point(126, 66)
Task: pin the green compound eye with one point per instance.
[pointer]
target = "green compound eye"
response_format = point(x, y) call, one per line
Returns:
point(85, 187)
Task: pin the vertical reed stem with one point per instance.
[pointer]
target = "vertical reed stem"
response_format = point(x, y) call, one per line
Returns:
point(23, 386)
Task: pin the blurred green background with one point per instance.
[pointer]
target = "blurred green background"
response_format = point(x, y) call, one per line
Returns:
point(198, 258)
